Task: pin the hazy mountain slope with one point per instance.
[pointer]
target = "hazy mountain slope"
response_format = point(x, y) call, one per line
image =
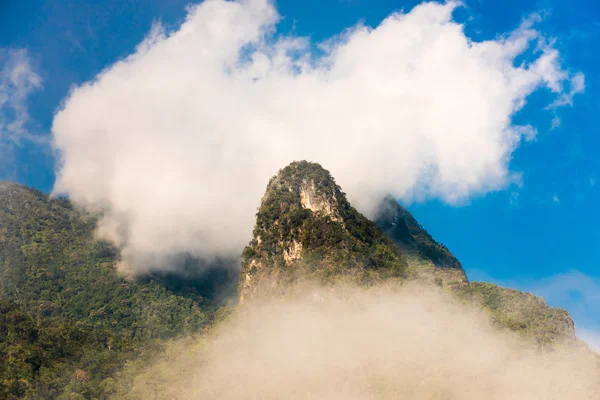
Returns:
point(55, 272)
point(521, 312)
point(524, 313)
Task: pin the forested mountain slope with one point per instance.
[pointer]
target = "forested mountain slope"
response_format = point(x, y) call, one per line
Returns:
point(68, 319)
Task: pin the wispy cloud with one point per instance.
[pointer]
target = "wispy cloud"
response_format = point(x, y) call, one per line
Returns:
point(17, 81)
point(577, 85)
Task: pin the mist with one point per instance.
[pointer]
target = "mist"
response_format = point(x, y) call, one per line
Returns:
point(411, 342)
point(175, 143)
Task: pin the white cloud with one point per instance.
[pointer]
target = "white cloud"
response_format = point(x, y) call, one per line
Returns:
point(555, 199)
point(17, 81)
point(177, 141)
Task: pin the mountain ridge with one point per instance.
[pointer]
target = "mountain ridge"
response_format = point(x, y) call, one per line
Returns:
point(399, 224)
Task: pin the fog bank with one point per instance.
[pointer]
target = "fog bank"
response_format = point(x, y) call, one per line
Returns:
point(414, 343)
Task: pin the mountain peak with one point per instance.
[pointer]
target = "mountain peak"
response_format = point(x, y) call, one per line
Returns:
point(315, 186)
point(307, 230)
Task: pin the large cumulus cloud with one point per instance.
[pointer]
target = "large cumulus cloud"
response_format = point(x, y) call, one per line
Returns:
point(177, 141)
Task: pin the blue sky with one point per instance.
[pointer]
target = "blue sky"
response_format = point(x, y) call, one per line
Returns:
point(539, 234)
